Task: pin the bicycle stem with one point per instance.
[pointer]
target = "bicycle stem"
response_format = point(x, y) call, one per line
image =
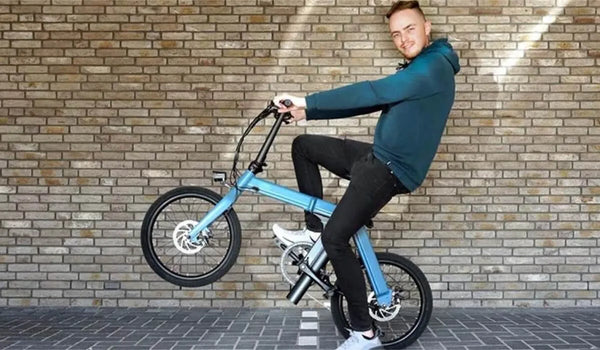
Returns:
point(257, 164)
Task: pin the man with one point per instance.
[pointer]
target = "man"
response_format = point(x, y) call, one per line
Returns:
point(415, 103)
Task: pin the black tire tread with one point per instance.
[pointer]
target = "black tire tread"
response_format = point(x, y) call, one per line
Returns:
point(426, 296)
point(159, 269)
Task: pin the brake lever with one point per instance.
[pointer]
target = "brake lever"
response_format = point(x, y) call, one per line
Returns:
point(287, 117)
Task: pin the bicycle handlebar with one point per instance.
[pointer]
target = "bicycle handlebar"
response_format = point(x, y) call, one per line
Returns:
point(258, 163)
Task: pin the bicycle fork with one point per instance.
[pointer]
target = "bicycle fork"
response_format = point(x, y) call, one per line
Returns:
point(317, 258)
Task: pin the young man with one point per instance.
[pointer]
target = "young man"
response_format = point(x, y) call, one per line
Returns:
point(415, 103)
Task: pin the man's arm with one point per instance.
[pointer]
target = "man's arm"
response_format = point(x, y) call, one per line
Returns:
point(340, 113)
point(422, 78)
point(299, 110)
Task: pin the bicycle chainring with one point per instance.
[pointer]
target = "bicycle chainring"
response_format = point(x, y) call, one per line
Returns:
point(291, 258)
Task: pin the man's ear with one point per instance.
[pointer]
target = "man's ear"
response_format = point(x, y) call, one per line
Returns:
point(427, 28)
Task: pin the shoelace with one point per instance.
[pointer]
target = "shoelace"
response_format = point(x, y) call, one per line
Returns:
point(305, 232)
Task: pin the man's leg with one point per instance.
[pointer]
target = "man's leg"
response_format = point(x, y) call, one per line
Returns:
point(335, 155)
point(372, 185)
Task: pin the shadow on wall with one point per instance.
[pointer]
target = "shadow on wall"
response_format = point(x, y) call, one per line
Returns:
point(511, 75)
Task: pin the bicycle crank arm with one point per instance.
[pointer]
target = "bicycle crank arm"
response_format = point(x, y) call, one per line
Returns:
point(305, 269)
point(304, 282)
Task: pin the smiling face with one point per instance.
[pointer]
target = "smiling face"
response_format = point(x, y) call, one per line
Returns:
point(410, 32)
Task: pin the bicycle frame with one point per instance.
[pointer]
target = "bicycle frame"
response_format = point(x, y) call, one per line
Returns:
point(317, 257)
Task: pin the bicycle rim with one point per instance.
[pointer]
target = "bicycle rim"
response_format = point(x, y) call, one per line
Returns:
point(415, 308)
point(187, 264)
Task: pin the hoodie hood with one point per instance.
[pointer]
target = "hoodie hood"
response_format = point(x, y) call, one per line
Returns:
point(443, 47)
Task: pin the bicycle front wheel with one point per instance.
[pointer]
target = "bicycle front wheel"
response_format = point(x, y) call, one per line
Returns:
point(168, 251)
point(401, 323)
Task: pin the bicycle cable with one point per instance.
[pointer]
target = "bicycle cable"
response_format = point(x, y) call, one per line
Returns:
point(234, 174)
point(270, 109)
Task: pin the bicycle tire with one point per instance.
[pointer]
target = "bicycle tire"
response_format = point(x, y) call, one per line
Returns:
point(205, 199)
point(341, 319)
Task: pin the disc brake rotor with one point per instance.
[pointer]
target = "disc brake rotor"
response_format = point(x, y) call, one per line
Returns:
point(383, 314)
point(181, 241)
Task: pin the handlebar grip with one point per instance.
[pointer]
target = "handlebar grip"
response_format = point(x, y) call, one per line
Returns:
point(286, 102)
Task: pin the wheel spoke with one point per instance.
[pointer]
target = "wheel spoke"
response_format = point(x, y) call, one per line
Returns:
point(173, 260)
point(398, 321)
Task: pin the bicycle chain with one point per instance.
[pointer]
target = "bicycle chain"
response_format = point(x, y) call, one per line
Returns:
point(328, 307)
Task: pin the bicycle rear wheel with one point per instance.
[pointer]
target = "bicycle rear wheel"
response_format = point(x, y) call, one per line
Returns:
point(406, 319)
point(166, 247)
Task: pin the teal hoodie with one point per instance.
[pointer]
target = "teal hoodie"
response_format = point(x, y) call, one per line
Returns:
point(415, 103)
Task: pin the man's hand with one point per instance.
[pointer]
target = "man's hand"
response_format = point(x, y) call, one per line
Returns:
point(298, 103)
point(298, 115)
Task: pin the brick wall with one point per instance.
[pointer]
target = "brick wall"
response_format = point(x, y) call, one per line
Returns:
point(104, 104)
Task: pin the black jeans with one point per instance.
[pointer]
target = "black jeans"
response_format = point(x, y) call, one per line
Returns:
point(372, 185)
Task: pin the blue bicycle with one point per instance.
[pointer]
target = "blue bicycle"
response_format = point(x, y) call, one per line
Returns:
point(191, 237)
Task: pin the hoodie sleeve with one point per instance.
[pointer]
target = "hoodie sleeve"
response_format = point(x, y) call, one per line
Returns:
point(312, 113)
point(423, 77)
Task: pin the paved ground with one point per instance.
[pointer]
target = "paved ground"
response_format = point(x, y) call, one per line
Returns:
point(117, 328)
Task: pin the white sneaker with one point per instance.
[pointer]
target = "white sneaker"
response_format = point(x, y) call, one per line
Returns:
point(358, 342)
point(288, 237)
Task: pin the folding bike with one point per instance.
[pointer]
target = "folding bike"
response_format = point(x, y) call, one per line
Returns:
point(191, 237)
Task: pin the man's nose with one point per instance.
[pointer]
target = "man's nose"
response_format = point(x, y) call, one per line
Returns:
point(402, 39)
